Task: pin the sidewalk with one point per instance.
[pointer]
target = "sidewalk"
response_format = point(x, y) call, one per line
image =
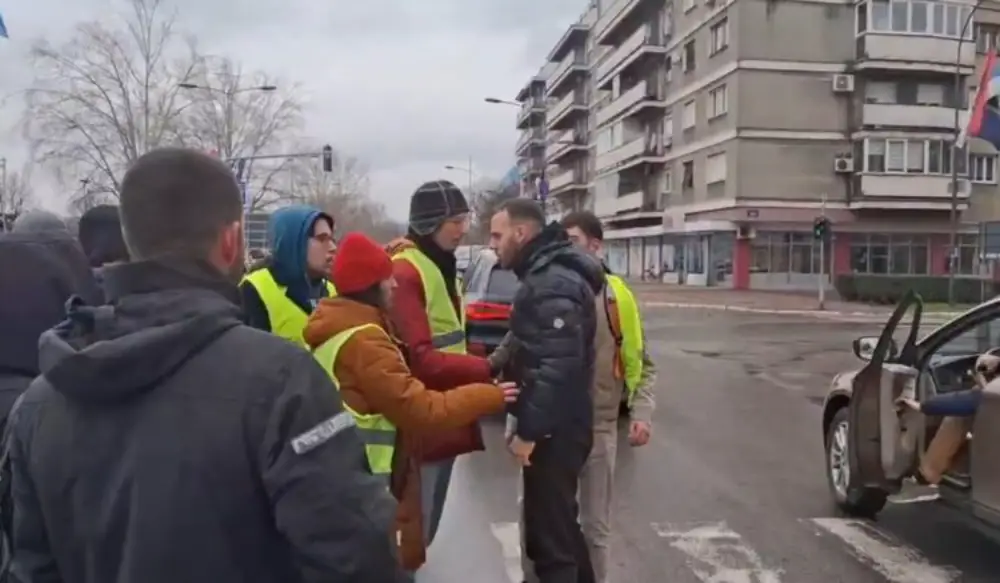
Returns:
point(757, 301)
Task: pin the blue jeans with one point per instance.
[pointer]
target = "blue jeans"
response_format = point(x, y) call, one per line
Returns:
point(434, 480)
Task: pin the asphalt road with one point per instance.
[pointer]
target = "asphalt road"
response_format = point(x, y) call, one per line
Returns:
point(732, 487)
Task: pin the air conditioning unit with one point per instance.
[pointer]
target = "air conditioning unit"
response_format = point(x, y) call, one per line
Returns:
point(745, 232)
point(843, 165)
point(843, 83)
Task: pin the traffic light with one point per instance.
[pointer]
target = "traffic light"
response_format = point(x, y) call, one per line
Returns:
point(328, 158)
point(821, 228)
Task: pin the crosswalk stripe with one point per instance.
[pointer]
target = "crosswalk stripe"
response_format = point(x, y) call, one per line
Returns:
point(890, 558)
point(718, 554)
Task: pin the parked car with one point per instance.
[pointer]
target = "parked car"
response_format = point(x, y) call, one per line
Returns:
point(872, 445)
point(489, 291)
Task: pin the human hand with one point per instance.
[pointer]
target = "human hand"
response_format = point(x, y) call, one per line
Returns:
point(521, 450)
point(510, 391)
point(911, 404)
point(987, 365)
point(639, 433)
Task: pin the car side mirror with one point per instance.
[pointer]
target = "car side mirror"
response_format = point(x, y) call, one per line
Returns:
point(864, 347)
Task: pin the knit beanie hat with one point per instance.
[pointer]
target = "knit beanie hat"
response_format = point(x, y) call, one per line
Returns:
point(433, 203)
point(100, 234)
point(359, 264)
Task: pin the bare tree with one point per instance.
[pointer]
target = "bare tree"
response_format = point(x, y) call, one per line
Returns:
point(344, 193)
point(108, 95)
point(242, 115)
point(484, 204)
point(15, 195)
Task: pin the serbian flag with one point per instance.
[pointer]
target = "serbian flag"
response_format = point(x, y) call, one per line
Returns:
point(984, 121)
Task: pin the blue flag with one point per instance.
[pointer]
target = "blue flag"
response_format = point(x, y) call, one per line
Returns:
point(3, 28)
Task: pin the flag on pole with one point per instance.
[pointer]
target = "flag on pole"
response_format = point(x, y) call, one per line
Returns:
point(984, 120)
point(3, 28)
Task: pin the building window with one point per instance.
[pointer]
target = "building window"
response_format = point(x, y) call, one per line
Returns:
point(983, 168)
point(787, 253)
point(668, 126)
point(908, 93)
point(718, 102)
point(986, 37)
point(967, 255)
point(719, 36)
point(688, 178)
point(913, 17)
point(911, 156)
point(668, 181)
point(885, 255)
point(715, 168)
point(689, 57)
point(689, 116)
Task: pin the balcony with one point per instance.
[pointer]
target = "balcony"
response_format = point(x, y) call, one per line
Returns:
point(908, 116)
point(575, 64)
point(613, 23)
point(906, 192)
point(641, 150)
point(563, 114)
point(609, 206)
point(644, 43)
point(532, 113)
point(565, 145)
point(643, 96)
point(533, 138)
point(888, 51)
point(575, 36)
point(566, 182)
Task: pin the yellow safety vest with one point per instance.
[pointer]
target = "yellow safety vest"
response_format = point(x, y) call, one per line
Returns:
point(287, 319)
point(377, 433)
point(632, 347)
point(447, 327)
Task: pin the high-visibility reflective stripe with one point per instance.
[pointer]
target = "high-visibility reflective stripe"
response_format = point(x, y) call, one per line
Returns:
point(377, 437)
point(447, 339)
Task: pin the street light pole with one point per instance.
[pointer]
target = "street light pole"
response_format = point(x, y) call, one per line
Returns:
point(958, 99)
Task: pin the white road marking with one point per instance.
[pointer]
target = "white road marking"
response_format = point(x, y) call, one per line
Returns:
point(509, 536)
point(890, 558)
point(718, 554)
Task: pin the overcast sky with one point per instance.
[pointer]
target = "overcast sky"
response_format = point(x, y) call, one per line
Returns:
point(399, 83)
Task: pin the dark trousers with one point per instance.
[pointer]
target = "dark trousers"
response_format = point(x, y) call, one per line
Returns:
point(553, 538)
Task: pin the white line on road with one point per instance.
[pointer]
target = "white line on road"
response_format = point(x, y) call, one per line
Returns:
point(891, 558)
point(717, 554)
point(509, 536)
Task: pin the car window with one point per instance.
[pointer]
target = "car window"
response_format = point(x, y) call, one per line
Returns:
point(476, 274)
point(976, 340)
point(503, 283)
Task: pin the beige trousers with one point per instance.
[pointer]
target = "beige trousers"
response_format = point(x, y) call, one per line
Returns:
point(943, 448)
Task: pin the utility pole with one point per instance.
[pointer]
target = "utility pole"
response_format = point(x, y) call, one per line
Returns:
point(469, 169)
point(4, 211)
point(822, 255)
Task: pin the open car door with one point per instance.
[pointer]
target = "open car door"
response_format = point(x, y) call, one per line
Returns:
point(881, 453)
point(984, 460)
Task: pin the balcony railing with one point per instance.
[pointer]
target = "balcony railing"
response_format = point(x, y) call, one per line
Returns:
point(612, 17)
point(560, 146)
point(527, 137)
point(907, 188)
point(649, 145)
point(910, 48)
point(558, 111)
point(565, 179)
point(643, 90)
point(573, 61)
point(645, 40)
point(916, 116)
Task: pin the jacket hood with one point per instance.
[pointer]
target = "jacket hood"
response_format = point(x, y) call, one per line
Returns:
point(334, 315)
point(41, 271)
point(289, 230)
point(39, 222)
point(552, 246)
point(159, 317)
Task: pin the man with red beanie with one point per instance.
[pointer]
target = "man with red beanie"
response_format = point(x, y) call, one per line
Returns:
point(394, 411)
point(429, 315)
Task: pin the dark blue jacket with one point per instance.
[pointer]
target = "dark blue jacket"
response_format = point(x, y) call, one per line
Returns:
point(956, 404)
point(288, 232)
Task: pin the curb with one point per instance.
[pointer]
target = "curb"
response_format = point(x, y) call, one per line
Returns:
point(942, 316)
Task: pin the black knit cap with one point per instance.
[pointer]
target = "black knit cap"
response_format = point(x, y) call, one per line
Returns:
point(433, 203)
point(100, 234)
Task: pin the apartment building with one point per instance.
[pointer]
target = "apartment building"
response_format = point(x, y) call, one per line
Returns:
point(530, 146)
point(720, 129)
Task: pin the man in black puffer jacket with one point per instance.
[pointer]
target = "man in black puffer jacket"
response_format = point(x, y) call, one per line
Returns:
point(554, 321)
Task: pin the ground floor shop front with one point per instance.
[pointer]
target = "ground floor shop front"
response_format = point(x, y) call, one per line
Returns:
point(785, 259)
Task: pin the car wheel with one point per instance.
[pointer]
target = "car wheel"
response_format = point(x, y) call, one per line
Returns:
point(853, 501)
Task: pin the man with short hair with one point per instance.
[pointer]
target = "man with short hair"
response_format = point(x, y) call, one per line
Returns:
point(166, 441)
point(553, 320)
point(622, 370)
point(100, 234)
point(280, 294)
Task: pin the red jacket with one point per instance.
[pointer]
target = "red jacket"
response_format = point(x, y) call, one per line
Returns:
point(438, 370)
